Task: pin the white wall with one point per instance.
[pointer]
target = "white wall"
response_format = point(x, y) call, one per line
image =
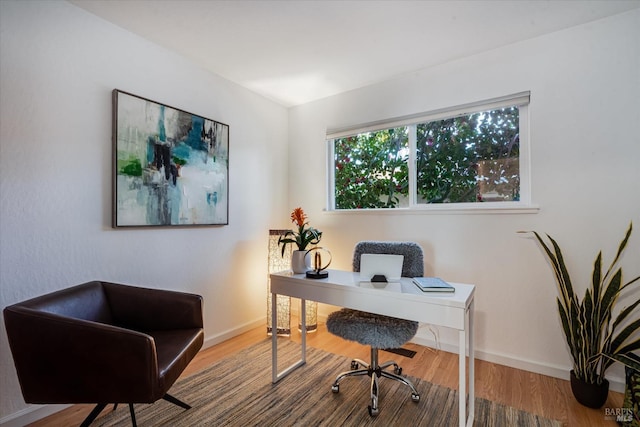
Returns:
point(59, 65)
point(585, 155)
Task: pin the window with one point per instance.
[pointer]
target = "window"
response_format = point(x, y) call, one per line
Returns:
point(473, 156)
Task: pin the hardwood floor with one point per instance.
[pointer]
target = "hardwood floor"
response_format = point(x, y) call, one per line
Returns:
point(538, 394)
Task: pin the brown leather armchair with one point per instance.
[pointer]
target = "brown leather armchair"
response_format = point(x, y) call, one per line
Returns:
point(103, 343)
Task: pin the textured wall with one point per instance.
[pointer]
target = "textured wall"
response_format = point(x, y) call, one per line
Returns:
point(59, 65)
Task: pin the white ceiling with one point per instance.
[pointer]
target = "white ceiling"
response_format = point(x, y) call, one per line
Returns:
point(295, 52)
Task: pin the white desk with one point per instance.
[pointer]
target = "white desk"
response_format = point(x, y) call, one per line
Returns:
point(403, 300)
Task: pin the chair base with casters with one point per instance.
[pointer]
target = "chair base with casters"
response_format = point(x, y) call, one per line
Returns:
point(389, 333)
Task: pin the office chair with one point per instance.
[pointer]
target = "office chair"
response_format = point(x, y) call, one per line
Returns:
point(377, 331)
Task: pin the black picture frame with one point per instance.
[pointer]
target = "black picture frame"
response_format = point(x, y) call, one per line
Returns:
point(170, 167)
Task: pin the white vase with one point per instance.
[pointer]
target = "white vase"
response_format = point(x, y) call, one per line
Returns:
point(299, 263)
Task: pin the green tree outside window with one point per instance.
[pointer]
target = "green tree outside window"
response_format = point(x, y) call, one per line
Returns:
point(469, 158)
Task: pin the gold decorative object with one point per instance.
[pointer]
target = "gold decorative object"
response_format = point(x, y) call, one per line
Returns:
point(319, 266)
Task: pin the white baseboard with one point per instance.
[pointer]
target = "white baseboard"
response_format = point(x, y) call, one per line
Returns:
point(230, 333)
point(562, 372)
point(30, 414)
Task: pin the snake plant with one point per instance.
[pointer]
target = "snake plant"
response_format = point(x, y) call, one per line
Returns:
point(596, 334)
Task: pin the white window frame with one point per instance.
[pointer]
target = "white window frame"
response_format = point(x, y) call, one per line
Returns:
point(524, 205)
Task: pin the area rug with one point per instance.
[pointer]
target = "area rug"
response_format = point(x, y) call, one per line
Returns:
point(237, 391)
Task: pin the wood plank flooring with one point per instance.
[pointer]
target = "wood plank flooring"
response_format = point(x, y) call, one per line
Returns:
point(538, 394)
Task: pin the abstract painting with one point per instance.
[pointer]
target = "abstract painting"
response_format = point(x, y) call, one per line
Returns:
point(171, 168)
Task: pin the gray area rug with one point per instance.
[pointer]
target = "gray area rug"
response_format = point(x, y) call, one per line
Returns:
point(237, 391)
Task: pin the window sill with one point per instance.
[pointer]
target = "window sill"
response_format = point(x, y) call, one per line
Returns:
point(447, 209)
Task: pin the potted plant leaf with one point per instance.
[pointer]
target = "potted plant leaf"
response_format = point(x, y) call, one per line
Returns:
point(597, 334)
point(631, 406)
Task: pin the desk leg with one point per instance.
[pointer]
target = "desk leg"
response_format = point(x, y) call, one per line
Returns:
point(274, 338)
point(472, 363)
point(275, 376)
point(462, 379)
point(303, 329)
point(466, 333)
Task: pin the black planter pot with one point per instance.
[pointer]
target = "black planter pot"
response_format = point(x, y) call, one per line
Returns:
point(589, 395)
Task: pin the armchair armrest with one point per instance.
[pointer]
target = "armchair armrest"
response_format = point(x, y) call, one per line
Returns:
point(145, 309)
